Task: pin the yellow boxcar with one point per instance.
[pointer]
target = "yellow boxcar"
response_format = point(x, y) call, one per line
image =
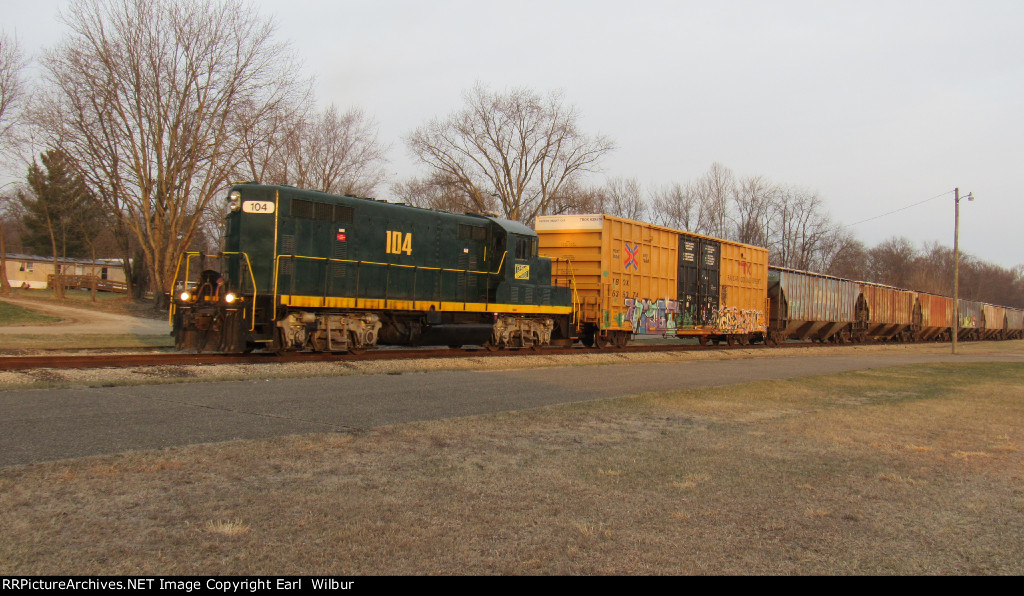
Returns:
point(632, 277)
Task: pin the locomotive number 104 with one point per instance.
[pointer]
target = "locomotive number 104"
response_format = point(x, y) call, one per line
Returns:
point(398, 243)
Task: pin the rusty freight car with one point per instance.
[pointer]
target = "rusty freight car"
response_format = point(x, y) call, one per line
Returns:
point(972, 320)
point(632, 278)
point(1014, 323)
point(936, 317)
point(805, 305)
point(995, 322)
point(884, 312)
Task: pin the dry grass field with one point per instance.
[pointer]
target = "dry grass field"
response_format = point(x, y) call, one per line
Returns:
point(912, 470)
point(105, 302)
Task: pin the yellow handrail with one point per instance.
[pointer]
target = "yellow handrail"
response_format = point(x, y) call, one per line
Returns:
point(277, 267)
point(190, 255)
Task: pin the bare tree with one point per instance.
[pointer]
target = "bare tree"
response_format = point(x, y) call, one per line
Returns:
point(799, 230)
point(848, 259)
point(712, 192)
point(12, 88)
point(325, 151)
point(674, 206)
point(264, 135)
point(146, 96)
point(12, 95)
point(841, 254)
point(522, 148)
point(932, 270)
point(892, 262)
point(336, 153)
point(623, 197)
point(752, 210)
point(440, 192)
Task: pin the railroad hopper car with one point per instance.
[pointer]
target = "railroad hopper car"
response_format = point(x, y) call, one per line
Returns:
point(972, 320)
point(885, 313)
point(935, 315)
point(631, 277)
point(811, 306)
point(995, 322)
point(1014, 323)
point(304, 270)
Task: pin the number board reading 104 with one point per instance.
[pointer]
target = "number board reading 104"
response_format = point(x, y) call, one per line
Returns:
point(398, 243)
point(257, 206)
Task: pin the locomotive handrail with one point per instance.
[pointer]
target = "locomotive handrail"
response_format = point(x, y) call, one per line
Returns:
point(174, 280)
point(328, 260)
point(570, 283)
point(252, 278)
point(573, 289)
point(190, 254)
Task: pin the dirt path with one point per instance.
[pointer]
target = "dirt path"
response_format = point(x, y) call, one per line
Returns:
point(83, 321)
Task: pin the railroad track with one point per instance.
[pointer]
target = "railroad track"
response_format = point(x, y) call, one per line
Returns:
point(72, 361)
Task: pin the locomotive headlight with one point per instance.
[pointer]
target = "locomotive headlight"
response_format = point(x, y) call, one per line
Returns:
point(185, 296)
point(234, 200)
point(230, 297)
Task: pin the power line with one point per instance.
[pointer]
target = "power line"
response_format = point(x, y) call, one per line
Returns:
point(948, 192)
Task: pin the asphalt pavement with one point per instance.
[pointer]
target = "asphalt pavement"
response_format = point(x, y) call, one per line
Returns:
point(46, 425)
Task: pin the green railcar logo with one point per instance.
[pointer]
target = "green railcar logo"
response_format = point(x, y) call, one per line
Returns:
point(522, 271)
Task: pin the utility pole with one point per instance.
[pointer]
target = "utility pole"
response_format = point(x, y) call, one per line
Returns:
point(956, 263)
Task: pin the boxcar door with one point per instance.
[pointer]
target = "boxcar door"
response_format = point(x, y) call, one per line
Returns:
point(710, 268)
point(698, 280)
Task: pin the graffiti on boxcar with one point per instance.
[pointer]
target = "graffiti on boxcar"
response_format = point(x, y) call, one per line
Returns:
point(734, 320)
point(692, 316)
point(652, 316)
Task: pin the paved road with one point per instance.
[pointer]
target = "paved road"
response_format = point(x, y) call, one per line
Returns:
point(84, 321)
point(44, 425)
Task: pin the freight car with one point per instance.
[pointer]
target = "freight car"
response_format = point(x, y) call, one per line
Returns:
point(936, 317)
point(304, 270)
point(812, 306)
point(806, 305)
point(631, 277)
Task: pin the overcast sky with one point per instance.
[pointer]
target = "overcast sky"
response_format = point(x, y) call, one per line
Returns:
point(875, 105)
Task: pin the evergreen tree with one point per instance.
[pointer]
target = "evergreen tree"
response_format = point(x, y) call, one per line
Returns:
point(61, 215)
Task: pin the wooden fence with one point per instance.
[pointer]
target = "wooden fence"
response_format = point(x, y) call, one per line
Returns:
point(72, 282)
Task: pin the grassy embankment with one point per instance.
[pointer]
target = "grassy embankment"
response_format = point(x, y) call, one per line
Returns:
point(106, 302)
point(909, 470)
point(12, 314)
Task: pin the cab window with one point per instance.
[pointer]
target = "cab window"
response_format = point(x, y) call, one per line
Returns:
point(526, 248)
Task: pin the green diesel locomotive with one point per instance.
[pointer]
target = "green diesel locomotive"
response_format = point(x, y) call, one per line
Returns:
point(305, 270)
